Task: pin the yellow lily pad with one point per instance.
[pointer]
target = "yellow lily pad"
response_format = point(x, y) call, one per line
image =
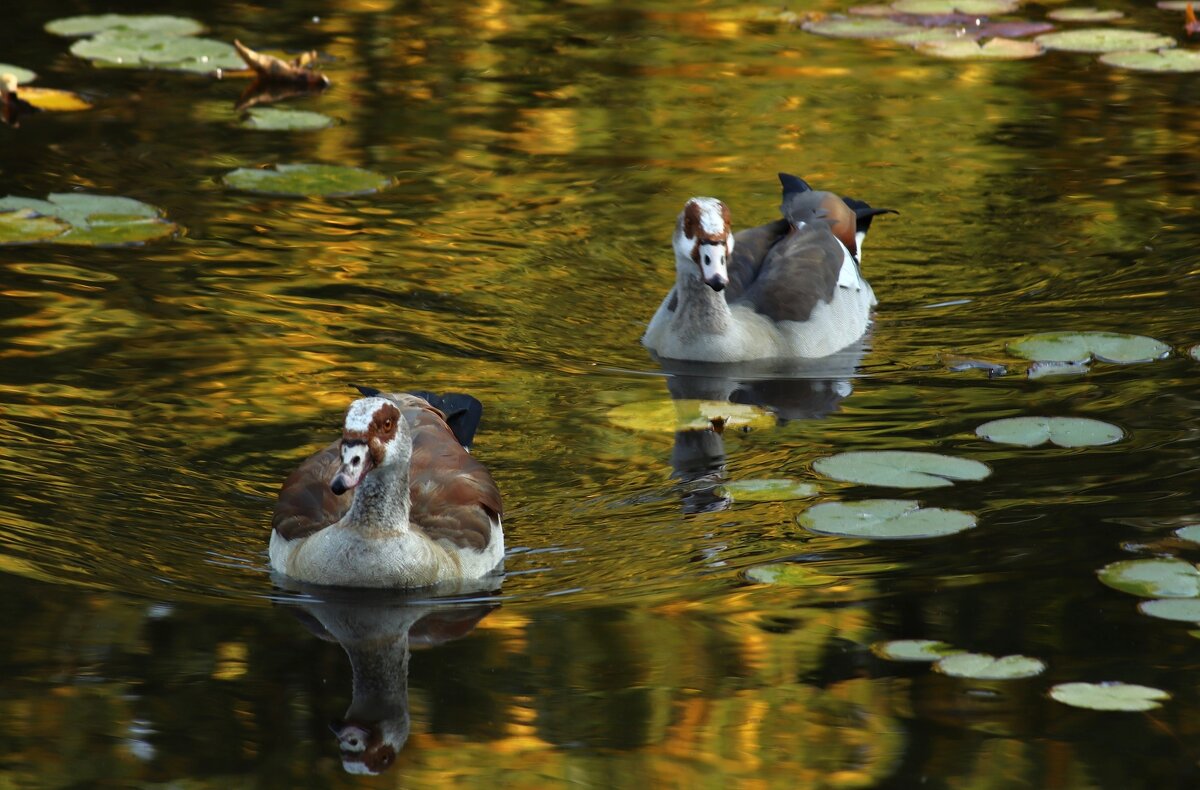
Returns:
point(669, 416)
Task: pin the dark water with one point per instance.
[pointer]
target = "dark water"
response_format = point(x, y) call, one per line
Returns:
point(151, 399)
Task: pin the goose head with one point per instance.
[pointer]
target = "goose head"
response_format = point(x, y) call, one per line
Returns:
point(375, 435)
point(704, 242)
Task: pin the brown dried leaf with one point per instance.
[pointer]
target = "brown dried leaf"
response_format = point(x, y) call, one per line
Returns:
point(269, 68)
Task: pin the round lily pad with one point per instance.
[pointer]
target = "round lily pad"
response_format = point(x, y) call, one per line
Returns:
point(1112, 695)
point(1012, 29)
point(1083, 346)
point(1084, 14)
point(148, 50)
point(26, 226)
point(900, 468)
point(766, 490)
point(973, 7)
point(1190, 532)
point(872, 9)
point(914, 650)
point(1153, 578)
point(967, 49)
point(859, 27)
point(95, 219)
point(1186, 610)
point(22, 75)
point(1172, 60)
point(980, 666)
point(1062, 431)
point(790, 574)
point(926, 35)
point(1194, 352)
point(276, 119)
point(1103, 39)
point(669, 415)
point(146, 23)
point(883, 519)
point(302, 180)
point(1174, 5)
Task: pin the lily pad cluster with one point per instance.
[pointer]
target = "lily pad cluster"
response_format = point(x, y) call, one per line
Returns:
point(80, 218)
point(147, 41)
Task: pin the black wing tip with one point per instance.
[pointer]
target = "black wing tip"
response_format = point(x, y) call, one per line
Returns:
point(367, 392)
point(463, 412)
point(792, 184)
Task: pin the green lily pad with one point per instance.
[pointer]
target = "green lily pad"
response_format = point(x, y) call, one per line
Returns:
point(1084, 14)
point(1170, 60)
point(872, 9)
point(1115, 696)
point(1174, 5)
point(95, 219)
point(926, 35)
point(779, 490)
point(939, 7)
point(1185, 610)
point(968, 49)
point(980, 666)
point(914, 650)
point(1062, 431)
point(1103, 39)
point(1082, 346)
point(145, 23)
point(883, 519)
point(1194, 352)
point(900, 468)
point(135, 49)
point(22, 75)
point(859, 27)
point(1153, 578)
point(302, 180)
point(26, 226)
point(1190, 532)
point(791, 574)
point(668, 415)
point(275, 119)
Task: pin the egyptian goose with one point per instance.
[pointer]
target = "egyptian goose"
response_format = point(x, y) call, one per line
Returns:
point(785, 290)
point(396, 502)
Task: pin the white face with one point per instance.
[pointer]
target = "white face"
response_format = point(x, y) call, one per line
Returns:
point(375, 434)
point(704, 242)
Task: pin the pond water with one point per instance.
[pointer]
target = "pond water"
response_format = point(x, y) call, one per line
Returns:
point(152, 398)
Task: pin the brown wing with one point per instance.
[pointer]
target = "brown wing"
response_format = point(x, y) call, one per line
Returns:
point(306, 502)
point(750, 249)
point(798, 273)
point(454, 498)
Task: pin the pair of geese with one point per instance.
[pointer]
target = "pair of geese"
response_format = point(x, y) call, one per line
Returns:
point(398, 500)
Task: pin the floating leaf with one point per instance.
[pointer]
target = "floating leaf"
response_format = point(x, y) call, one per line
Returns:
point(1190, 532)
point(307, 180)
point(1062, 431)
point(1153, 578)
point(766, 490)
point(791, 574)
point(1194, 352)
point(144, 23)
point(22, 75)
point(980, 666)
point(873, 9)
point(1082, 346)
point(900, 468)
point(967, 49)
point(54, 100)
point(914, 650)
point(1046, 370)
point(95, 219)
point(669, 415)
point(26, 226)
point(1172, 60)
point(1186, 610)
point(133, 49)
point(286, 120)
point(271, 69)
point(1111, 695)
point(883, 519)
point(1012, 29)
point(1084, 14)
point(1103, 39)
point(971, 7)
point(926, 35)
point(864, 27)
point(1174, 5)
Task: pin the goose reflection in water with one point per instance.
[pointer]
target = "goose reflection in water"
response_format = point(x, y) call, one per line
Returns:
point(378, 629)
point(806, 389)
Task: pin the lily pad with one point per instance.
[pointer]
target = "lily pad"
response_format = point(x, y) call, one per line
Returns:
point(1170, 60)
point(145, 23)
point(1113, 695)
point(1047, 370)
point(973, 7)
point(766, 490)
point(275, 119)
point(307, 180)
point(931, 34)
point(1185, 610)
point(883, 519)
point(872, 9)
point(22, 75)
point(26, 226)
point(1084, 14)
point(859, 27)
point(790, 574)
point(914, 650)
point(1062, 431)
point(1153, 578)
point(1174, 5)
point(900, 468)
point(980, 666)
point(94, 219)
point(1190, 532)
point(967, 49)
point(670, 416)
point(1082, 346)
point(1194, 352)
point(135, 49)
point(1103, 39)
point(1014, 29)
point(54, 100)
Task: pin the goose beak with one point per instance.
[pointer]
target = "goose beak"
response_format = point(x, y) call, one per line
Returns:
point(717, 282)
point(356, 462)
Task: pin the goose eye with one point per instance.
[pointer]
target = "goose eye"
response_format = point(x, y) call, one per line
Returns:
point(387, 424)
